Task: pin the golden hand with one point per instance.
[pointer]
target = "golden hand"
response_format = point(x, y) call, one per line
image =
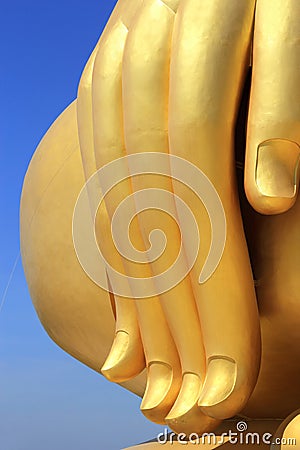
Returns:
point(153, 84)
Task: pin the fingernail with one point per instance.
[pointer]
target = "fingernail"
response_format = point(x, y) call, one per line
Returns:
point(188, 396)
point(156, 403)
point(125, 359)
point(219, 383)
point(277, 168)
point(186, 416)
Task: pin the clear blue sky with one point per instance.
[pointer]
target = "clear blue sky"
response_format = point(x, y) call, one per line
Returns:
point(48, 401)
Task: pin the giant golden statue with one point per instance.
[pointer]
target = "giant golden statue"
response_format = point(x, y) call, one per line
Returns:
point(165, 89)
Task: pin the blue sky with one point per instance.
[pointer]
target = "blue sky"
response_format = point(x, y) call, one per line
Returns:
point(48, 400)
